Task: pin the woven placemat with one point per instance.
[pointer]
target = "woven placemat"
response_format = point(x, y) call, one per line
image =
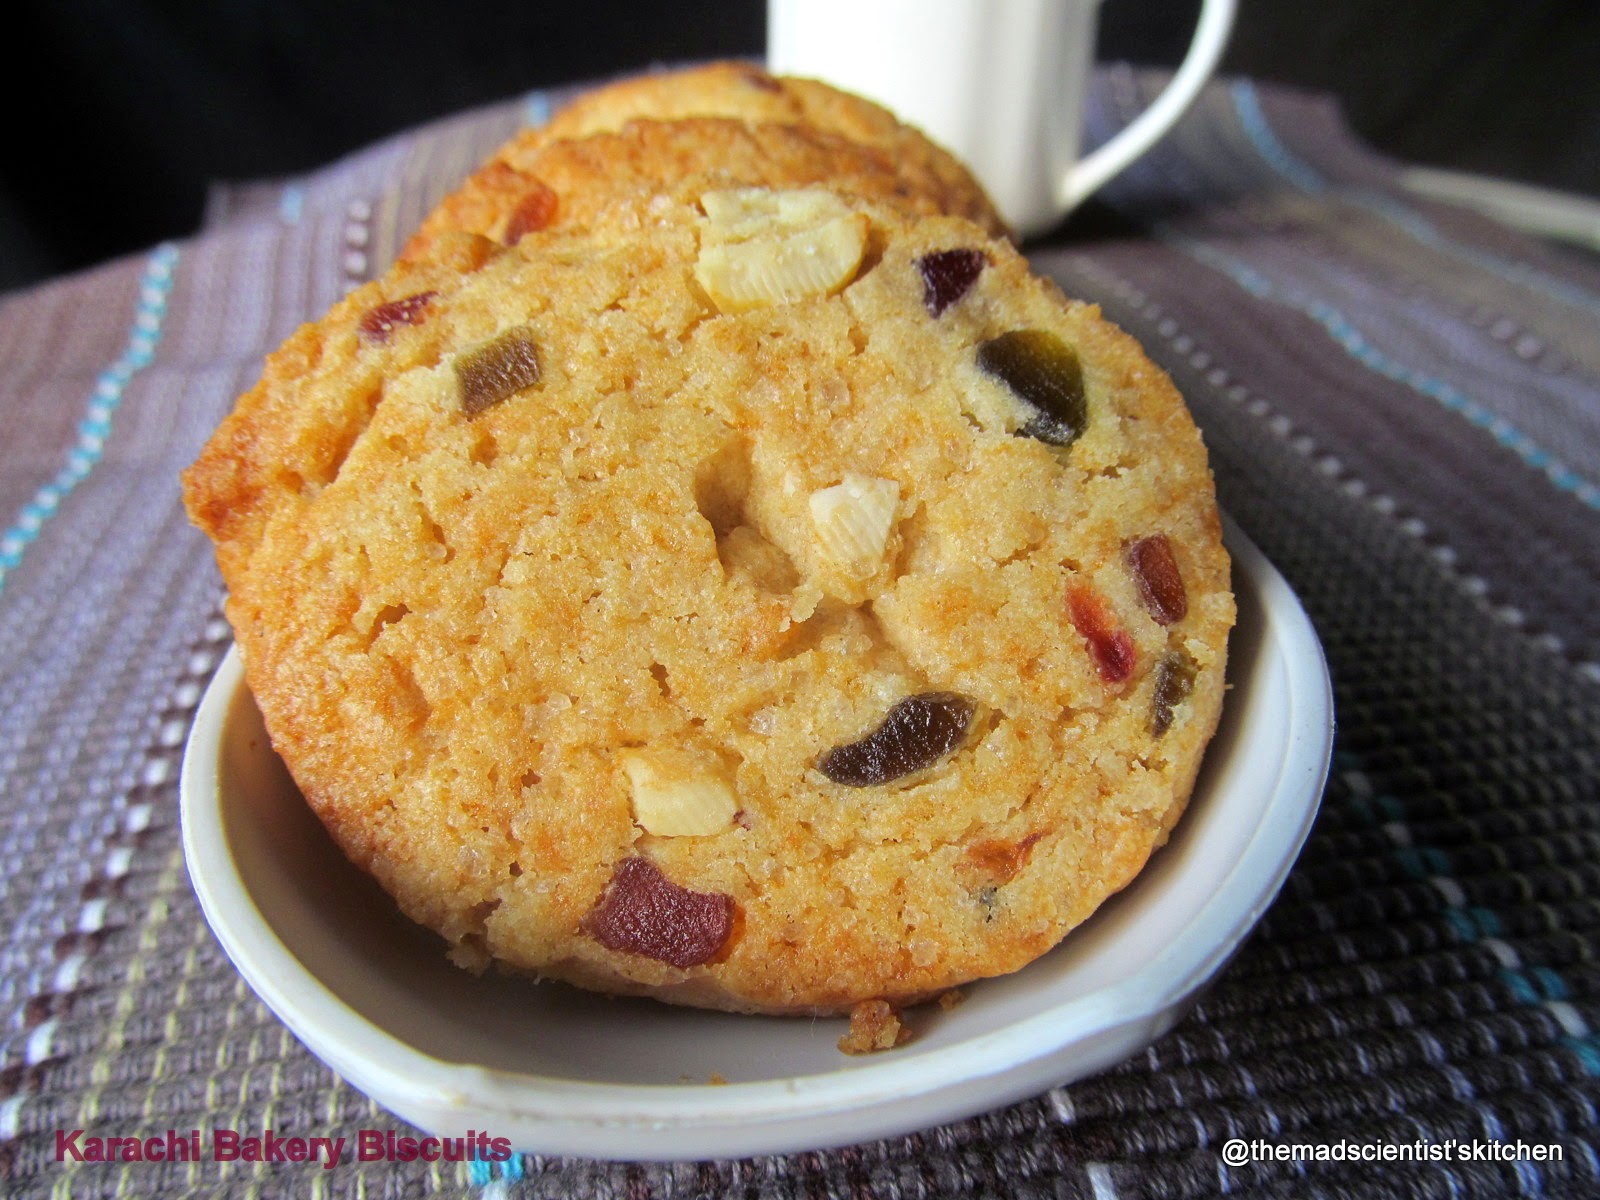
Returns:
point(1402, 408)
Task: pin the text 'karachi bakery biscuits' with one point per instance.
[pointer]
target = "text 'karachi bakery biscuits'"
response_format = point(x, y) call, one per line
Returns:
point(778, 605)
point(736, 122)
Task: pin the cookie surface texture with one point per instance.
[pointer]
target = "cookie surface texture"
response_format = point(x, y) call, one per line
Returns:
point(752, 127)
point(782, 604)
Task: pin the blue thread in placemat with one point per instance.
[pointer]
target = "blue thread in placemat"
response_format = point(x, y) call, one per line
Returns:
point(1533, 985)
point(292, 203)
point(536, 109)
point(482, 1173)
point(1253, 120)
point(149, 317)
point(1349, 338)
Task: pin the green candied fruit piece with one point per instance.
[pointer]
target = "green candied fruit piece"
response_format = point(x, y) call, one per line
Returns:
point(1174, 683)
point(1045, 373)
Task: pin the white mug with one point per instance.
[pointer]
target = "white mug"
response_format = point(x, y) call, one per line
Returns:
point(1000, 83)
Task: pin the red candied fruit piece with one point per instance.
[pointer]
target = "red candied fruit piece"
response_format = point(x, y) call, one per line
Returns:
point(1109, 645)
point(533, 212)
point(948, 275)
point(643, 912)
point(1155, 570)
point(378, 323)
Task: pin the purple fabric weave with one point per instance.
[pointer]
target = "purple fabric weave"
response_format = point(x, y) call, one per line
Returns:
point(1402, 405)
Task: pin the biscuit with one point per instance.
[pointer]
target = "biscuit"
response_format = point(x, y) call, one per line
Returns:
point(776, 604)
point(739, 122)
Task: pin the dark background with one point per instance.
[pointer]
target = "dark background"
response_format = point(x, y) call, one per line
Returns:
point(121, 112)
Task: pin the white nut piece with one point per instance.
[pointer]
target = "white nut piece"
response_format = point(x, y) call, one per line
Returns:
point(852, 521)
point(739, 214)
point(676, 794)
point(760, 247)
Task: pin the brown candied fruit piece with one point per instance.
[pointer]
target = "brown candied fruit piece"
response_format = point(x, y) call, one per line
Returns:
point(378, 323)
point(1155, 570)
point(915, 733)
point(491, 372)
point(535, 211)
point(948, 275)
point(1109, 644)
point(643, 912)
point(1174, 683)
point(1045, 373)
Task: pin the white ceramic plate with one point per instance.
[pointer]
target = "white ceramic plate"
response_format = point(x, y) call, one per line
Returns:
point(559, 1071)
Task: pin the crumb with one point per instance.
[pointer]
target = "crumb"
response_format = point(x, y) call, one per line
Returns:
point(718, 1079)
point(874, 1025)
point(470, 954)
point(948, 1000)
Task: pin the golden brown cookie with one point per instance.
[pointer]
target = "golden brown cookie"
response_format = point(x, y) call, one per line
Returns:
point(777, 604)
point(763, 129)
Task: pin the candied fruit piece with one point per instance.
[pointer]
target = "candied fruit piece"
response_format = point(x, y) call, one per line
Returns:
point(1174, 682)
point(915, 733)
point(948, 275)
point(378, 323)
point(489, 373)
point(1109, 644)
point(1000, 860)
point(533, 212)
point(1045, 373)
point(988, 899)
point(643, 912)
point(1155, 570)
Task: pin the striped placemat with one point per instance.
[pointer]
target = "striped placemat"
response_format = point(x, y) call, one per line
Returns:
point(1402, 406)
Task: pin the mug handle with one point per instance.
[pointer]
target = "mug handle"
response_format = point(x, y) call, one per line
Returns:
point(1210, 37)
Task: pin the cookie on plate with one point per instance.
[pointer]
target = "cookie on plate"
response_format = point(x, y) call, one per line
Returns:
point(743, 124)
point(778, 604)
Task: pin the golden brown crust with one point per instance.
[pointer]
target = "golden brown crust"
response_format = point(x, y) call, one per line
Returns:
point(287, 436)
point(460, 628)
point(737, 120)
point(745, 91)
